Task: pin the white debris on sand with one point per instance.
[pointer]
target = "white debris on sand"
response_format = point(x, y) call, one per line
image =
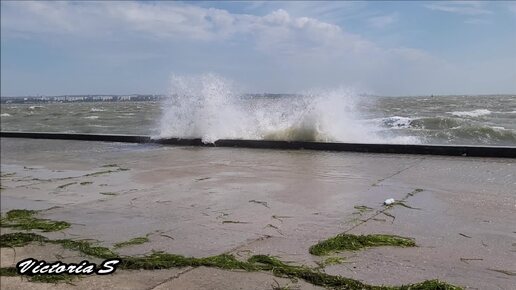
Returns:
point(389, 201)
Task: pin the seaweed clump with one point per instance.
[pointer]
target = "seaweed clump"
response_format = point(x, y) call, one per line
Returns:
point(19, 239)
point(348, 242)
point(54, 278)
point(162, 260)
point(41, 278)
point(134, 241)
point(24, 220)
point(86, 248)
point(8, 271)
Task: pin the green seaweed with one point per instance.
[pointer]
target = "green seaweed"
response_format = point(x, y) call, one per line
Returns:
point(161, 260)
point(427, 285)
point(99, 173)
point(332, 261)
point(41, 278)
point(54, 278)
point(156, 260)
point(134, 241)
point(361, 209)
point(24, 219)
point(86, 248)
point(19, 214)
point(233, 222)
point(348, 242)
point(19, 239)
point(415, 191)
point(108, 193)
point(281, 269)
point(8, 271)
point(110, 165)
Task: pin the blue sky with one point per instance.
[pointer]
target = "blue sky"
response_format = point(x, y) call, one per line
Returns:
point(385, 48)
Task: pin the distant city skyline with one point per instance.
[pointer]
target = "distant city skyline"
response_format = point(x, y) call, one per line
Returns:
point(381, 48)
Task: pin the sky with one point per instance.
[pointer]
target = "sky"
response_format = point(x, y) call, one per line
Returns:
point(382, 48)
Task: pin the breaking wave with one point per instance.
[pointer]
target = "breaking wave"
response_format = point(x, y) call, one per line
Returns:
point(429, 123)
point(450, 130)
point(209, 107)
point(474, 113)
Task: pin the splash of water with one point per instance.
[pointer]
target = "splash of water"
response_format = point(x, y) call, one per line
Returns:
point(203, 107)
point(209, 107)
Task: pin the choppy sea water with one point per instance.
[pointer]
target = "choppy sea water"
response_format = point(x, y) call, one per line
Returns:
point(472, 120)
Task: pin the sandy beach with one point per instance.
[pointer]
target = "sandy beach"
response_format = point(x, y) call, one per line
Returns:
point(208, 201)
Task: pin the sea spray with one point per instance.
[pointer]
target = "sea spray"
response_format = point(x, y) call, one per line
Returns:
point(209, 107)
point(318, 115)
point(203, 107)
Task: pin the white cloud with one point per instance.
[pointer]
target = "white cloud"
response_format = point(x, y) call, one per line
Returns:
point(94, 19)
point(170, 21)
point(460, 7)
point(279, 51)
point(327, 11)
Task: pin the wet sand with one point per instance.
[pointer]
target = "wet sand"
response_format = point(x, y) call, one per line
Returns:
point(207, 201)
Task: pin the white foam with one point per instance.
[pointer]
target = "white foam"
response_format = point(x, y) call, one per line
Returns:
point(5, 115)
point(474, 113)
point(208, 107)
point(203, 107)
point(91, 117)
point(96, 110)
point(397, 122)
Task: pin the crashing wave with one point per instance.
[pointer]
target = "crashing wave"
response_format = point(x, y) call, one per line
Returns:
point(208, 107)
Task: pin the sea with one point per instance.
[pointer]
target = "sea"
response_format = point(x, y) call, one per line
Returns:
point(211, 107)
point(326, 116)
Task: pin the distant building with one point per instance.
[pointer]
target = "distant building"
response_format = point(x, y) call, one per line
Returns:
point(79, 98)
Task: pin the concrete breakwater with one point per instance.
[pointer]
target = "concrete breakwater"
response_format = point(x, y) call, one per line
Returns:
point(449, 150)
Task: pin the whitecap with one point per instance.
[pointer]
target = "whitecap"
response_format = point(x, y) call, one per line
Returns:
point(474, 113)
point(397, 122)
